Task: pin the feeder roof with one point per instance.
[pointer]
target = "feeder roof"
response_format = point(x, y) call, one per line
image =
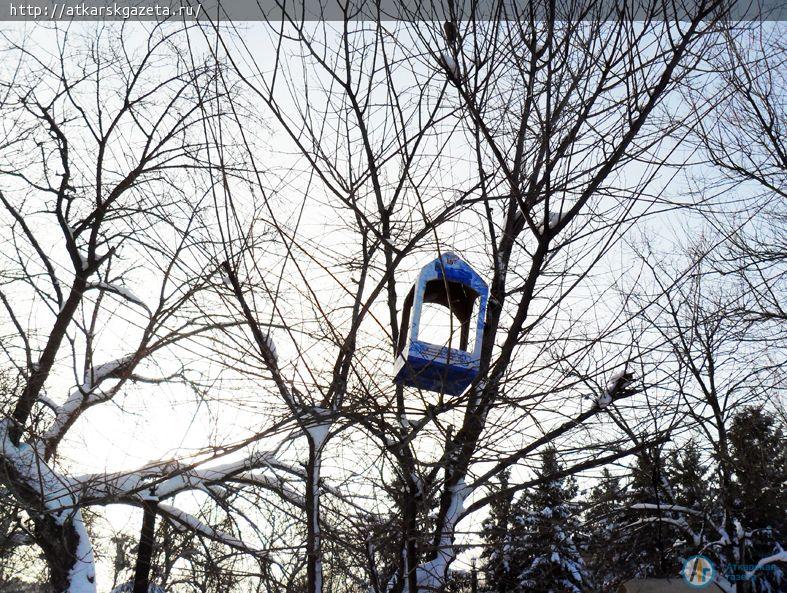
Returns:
point(451, 267)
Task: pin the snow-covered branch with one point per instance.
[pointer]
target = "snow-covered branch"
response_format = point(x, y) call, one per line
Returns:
point(666, 508)
point(84, 396)
point(55, 492)
point(121, 291)
point(680, 523)
point(615, 386)
point(781, 556)
point(55, 495)
point(431, 575)
point(166, 479)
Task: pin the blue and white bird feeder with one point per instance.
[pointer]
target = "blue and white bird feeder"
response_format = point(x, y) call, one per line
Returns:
point(450, 282)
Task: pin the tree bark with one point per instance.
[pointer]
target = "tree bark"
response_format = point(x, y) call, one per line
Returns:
point(60, 545)
point(58, 539)
point(146, 541)
point(313, 547)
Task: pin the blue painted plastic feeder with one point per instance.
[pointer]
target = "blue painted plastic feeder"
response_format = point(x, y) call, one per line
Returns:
point(451, 283)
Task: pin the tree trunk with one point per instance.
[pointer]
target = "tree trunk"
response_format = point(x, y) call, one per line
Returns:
point(61, 537)
point(146, 541)
point(313, 547)
point(60, 545)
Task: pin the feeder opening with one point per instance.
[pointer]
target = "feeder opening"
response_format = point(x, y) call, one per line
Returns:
point(448, 313)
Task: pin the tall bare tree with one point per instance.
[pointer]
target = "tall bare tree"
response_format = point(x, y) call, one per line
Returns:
point(714, 365)
point(105, 191)
point(529, 143)
point(745, 183)
point(546, 130)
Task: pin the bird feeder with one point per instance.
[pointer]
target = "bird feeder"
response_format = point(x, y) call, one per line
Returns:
point(449, 367)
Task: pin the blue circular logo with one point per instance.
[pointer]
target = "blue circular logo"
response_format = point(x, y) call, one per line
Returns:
point(698, 571)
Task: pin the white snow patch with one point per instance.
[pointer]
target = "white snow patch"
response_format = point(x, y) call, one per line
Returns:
point(102, 371)
point(121, 291)
point(48, 402)
point(198, 477)
point(149, 494)
point(779, 557)
point(87, 393)
point(82, 576)
point(271, 345)
point(57, 495)
point(667, 507)
point(56, 491)
point(554, 219)
point(451, 64)
point(318, 431)
point(432, 574)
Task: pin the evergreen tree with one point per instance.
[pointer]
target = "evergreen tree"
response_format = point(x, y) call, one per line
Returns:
point(500, 568)
point(551, 522)
point(649, 540)
point(690, 487)
point(759, 466)
point(605, 552)
point(529, 541)
point(687, 477)
point(624, 542)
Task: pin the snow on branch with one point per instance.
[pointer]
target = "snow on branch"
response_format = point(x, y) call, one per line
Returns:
point(57, 496)
point(107, 370)
point(271, 346)
point(680, 523)
point(781, 556)
point(451, 65)
point(86, 395)
point(432, 574)
point(121, 291)
point(666, 507)
point(56, 492)
point(77, 399)
point(82, 576)
point(318, 429)
point(615, 386)
point(48, 402)
point(273, 483)
point(553, 218)
point(166, 479)
point(198, 477)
